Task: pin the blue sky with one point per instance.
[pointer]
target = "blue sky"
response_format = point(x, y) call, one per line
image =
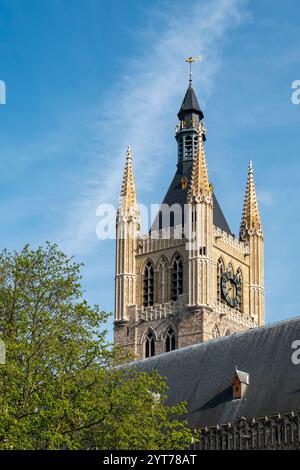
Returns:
point(85, 78)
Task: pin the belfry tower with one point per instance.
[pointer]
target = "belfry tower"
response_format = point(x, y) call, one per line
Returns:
point(189, 279)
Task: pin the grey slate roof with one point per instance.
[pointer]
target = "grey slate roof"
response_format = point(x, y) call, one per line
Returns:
point(202, 375)
point(175, 195)
point(190, 104)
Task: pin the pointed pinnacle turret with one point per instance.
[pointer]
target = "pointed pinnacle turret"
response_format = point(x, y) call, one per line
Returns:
point(128, 198)
point(199, 185)
point(251, 222)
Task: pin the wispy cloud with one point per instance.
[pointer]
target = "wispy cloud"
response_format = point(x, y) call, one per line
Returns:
point(149, 88)
point(266, 198)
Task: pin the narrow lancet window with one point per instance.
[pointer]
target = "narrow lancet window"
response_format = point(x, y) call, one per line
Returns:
point(170, 340)
point(148, 298)
point(220, 271)
point(162, 280)
point(239, 276)
point(150, 345)
point(177, 278)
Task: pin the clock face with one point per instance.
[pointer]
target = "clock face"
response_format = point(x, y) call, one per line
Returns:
point(231, 289)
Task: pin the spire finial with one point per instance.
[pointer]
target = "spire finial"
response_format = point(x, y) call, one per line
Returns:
point(251, 222)
point(129, 153)
point(190, 60)
point(199, 186)
point(128, 191)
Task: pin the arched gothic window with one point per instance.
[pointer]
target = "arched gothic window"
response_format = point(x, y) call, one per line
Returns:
point(150, 344)
point(220, 271)
point(170, 340)
point(239, 275)
point(194, 220)
point(216, 333)
point(162, 280)
point(177, 278)
point(148, 288)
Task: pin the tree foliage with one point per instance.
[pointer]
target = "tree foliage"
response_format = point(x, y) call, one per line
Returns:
point(61, 387)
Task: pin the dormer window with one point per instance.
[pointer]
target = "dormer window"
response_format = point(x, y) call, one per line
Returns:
point(239, 384)
point(184, 183)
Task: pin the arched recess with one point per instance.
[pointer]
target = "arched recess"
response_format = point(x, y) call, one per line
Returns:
point(176, 277)
point(148, 284)
point(229, 268)
point(239, 275)
point(220, 271)
point(170, 342)
point(169, 337)
point(149, 339)
point(162, 290)
point(227, 332)
point(216, 332)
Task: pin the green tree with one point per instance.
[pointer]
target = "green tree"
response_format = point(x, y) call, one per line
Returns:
point(61, 387)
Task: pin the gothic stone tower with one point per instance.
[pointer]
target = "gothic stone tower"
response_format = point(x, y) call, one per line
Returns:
point(189, 279)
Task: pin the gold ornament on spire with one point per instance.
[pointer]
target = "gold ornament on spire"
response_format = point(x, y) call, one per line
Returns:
point(251, 223)
point(191, 60)
point(128, 198)
point(200, 187)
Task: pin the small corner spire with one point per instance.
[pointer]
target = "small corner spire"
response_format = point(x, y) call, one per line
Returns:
point(251, 222)
point(199, 186)
point(129, 153)
point(128, 197)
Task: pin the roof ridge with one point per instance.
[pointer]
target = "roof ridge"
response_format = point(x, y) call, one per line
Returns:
point(223, 338)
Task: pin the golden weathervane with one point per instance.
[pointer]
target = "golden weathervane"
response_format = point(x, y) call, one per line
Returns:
point(190, 60)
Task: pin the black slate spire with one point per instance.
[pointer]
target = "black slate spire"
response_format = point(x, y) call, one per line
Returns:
point(190, 104)
point(190, 116)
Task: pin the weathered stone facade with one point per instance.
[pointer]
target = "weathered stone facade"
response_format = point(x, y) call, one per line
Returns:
point(186, 283)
